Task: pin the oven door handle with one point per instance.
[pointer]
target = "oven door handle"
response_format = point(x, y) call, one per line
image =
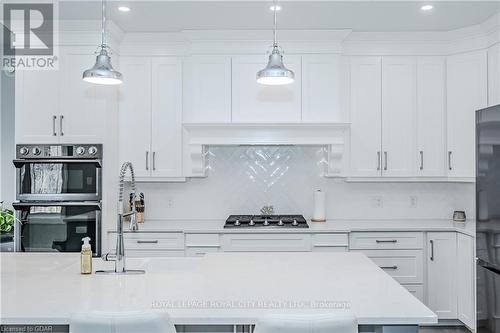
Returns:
point(19, 205)
point(20, 163)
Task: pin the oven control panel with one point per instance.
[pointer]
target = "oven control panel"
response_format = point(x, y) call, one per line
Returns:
point(83, 151)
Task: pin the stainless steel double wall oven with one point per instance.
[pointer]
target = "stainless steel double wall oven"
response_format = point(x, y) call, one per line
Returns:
point(59, 197)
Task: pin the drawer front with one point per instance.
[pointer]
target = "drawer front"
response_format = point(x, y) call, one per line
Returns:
point(200, 251)
point(330, 249)
point(202, 240)
point(153, 253)
point(266, 242)
point(386, 240)
point(405, 266)
point(330, 240)
point(416, 290)
point(150, 241)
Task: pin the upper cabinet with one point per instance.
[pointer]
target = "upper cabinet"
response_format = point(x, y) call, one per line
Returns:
point(151, 116)
point(207, 89)
point(494, 75)
point(57, 106)
point(398, 116)
point(322, 94)
point(256, 103)
point(466, 93)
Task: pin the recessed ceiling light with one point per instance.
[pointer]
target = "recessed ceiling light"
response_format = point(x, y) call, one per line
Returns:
point(426, 7)
point(124, 9)
point(275, 8)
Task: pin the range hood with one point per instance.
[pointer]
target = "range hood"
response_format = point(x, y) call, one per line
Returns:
point(198, 137)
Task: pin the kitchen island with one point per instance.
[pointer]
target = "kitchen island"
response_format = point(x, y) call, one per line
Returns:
point(224, 290)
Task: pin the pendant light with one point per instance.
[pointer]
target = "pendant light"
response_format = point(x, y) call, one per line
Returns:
point(103, 72)
point(275, 72)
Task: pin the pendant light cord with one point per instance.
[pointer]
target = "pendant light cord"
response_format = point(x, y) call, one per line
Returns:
point(103, 28)
point(275, 42)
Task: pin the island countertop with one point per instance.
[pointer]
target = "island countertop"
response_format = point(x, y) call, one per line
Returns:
point(218, 289)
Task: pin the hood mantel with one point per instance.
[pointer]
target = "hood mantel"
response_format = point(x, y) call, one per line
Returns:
point(197, 137)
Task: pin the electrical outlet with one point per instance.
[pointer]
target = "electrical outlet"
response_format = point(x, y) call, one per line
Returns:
point(413, 201)
point(377, 202)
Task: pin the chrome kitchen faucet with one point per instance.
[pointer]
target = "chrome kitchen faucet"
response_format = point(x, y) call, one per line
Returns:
point(119, 256)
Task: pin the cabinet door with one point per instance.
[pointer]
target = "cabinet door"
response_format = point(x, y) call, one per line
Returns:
point(442, 273)
point(207, 86)
point(166, 117)
point(398, 116)
point(83, 105)
point(465, 285)
point(37, 106)
point(366, 116)
point(494, 75)
point(466, 93)
point(135, 114)
point(256, 103)
point(431, 128)
point(321, 93)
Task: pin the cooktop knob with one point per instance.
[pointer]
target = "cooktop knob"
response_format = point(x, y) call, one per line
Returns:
point(24, 151)
point(295, 223)
point(92, 150)
point(252, 222)
point(280, 222)
point(266, 222)
point(36, 151)
point(237, 222)
point(80, 150)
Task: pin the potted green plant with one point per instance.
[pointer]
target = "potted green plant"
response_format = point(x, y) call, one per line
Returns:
point(7, 220)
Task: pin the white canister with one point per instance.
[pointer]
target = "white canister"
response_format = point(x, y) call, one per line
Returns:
point(319, 213)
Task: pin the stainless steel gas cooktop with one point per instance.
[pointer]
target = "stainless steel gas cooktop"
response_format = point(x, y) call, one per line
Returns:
point(266, 221)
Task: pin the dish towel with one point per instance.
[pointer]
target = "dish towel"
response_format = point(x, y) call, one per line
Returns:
point(46, 179)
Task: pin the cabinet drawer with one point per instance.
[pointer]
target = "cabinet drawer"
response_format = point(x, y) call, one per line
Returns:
point(150, 241)
point(266, 242)
point(416, 290)
point(199, 251)
point(330, 249)
point(154, 253)
point(386, 240)
point(323, 240)
point(202, 240)
point(405, 266)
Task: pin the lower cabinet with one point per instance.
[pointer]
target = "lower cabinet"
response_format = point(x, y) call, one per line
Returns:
point(442, 274)
point(416, 290)
point(465, 283)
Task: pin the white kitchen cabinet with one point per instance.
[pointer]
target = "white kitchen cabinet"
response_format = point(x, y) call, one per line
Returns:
point(321, 88)
point(166, 127)
point(466, 93)
point(431, 116)
point(416, 290)
point(442, 274)
point(57, 106)
point(398, 116)
point(207, 89)
point(271, 242)
point(465, 283)
point(256, 103)
point(135, 114)
point(494, 75)
point(150, 116)
point(366, 113)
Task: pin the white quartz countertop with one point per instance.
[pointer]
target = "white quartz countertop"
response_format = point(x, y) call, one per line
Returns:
point(220, 288)
point(217, 226)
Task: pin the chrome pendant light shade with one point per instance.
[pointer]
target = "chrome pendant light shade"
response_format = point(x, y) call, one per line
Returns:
point(103, 72)
point(275, 73)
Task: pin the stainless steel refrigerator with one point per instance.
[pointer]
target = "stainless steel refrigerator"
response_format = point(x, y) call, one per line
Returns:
point(488, 219)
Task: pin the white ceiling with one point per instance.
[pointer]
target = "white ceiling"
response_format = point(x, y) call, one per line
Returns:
point(166, 16)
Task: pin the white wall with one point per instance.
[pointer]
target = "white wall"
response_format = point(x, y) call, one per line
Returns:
point(243, 179)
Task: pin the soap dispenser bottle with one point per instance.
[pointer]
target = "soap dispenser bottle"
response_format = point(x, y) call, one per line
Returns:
point(86, 257)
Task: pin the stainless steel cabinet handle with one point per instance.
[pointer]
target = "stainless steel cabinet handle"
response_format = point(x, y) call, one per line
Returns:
point(61, 132)
point(147, 241)
point(449, 160)
point(385, 160)
point(147, 160)
point(378, 161)
point(54, 118)
point(389, 267)
point(386, 240)
point(432, 250)
point(154, 160)
point(421, 160)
